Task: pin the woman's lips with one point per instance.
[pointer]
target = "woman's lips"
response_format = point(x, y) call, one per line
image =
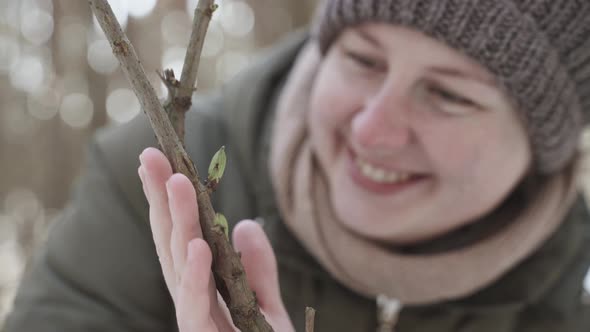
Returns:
point(389, 183)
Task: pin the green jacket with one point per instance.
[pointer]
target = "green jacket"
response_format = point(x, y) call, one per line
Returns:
point(98, 270)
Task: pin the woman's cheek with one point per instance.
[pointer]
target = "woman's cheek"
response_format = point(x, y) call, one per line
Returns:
point(336, 94)
point(340, 106)
point(328, 109)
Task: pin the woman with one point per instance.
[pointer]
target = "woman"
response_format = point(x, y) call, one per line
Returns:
point(415, 169)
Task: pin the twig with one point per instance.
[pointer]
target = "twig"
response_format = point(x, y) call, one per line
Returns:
point(309, 319)
point(229, 274)
point(180, 92)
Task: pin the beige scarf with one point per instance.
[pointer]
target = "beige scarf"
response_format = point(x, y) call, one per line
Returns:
point(366, 267)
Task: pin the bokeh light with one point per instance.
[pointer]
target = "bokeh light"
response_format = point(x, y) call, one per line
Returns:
point(141, 8)
point(176, 27)
point(28, 73)
point(43, 106)
point(76, 110)
point(214, 41)
point(9, 14)
point(236, 18)
point(101, 58)
point(122, 105)
point(9, 53)
point(173, 58)
point(30, 5)
point(37, 26)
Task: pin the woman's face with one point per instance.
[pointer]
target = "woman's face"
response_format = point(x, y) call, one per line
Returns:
point(415, 138)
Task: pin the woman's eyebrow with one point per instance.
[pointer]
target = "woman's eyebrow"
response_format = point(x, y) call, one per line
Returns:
point(457, 73)
point(369, 38)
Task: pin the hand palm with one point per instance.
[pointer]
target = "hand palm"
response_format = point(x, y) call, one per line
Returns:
point(186, 259)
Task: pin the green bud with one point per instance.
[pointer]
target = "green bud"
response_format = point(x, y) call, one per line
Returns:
point(222, 222)
point(217, 166)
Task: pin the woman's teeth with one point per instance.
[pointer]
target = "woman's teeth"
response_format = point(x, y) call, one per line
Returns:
point(380, 175)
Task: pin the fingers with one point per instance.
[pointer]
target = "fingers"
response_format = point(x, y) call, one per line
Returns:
point(193, 309)
point(185, 218)
point(155, 170)
point(185, 259)
point(261, 267)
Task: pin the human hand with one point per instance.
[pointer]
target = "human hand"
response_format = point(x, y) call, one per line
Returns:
point(185, 257)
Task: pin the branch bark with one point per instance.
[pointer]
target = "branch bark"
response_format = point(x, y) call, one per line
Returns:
point(228, 271)
point(309, 319)
point(180, 92)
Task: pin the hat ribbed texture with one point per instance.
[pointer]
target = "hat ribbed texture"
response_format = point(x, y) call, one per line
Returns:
point(539, 51)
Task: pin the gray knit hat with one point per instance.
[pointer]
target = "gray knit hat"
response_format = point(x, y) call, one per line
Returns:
point(539, 51)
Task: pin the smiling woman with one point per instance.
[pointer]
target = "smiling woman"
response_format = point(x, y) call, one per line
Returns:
point(415, 164)
point(399, 135)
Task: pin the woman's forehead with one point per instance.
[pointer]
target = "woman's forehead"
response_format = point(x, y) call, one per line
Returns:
point(390, 39)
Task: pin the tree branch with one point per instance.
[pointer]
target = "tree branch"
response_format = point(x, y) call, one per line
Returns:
point(229, 274)
point(180, 92)
point(309, 319)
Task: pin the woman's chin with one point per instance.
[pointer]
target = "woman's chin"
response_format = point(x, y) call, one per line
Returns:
point(362, 214)
point(362, 222)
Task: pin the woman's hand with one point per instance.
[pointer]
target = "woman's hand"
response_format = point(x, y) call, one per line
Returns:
point(185, 258)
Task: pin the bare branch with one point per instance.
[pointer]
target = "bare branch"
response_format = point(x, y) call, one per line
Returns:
point(180, 92)
point(203, 14)
point(229, 274)
point(135, 73)
point(309, 319)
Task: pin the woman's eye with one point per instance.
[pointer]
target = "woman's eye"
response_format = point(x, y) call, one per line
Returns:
point(450, 96)
point(363, 61)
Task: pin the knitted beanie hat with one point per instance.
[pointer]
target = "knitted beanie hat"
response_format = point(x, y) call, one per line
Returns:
point(539, 51)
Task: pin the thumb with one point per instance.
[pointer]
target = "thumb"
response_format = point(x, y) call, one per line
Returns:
point(261, 266)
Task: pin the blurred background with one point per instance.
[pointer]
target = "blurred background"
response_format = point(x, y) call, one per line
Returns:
point(59, 82)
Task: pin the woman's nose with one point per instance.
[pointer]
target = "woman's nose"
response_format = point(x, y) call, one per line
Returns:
point(383, 124)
